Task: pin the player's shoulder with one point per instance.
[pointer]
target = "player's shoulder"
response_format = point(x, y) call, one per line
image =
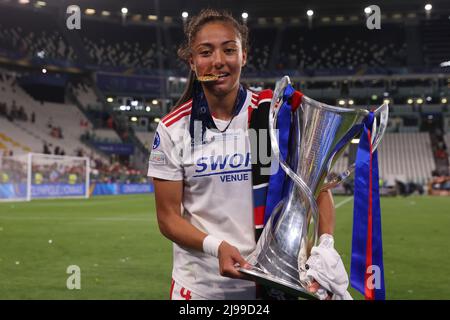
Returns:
point(261, 97)
point(265, 96)
point(178, 117)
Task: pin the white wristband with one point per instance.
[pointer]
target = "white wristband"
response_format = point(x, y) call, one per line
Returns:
point(211, 246)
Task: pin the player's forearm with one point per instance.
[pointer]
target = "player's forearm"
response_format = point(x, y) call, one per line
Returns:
point(168, 196)
point(326, 213)
point(180, 231)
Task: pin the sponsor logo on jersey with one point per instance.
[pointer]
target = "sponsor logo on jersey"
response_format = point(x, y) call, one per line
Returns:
point(230, 167)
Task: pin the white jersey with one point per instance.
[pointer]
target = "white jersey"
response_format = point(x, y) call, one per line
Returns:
point(217, 195)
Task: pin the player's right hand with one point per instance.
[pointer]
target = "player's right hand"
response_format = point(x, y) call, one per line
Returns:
point(229, 258)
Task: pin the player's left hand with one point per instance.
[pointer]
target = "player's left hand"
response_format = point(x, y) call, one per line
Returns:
point(318, 291)
point(325, 273)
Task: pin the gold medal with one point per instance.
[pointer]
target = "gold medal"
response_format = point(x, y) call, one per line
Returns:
point(208, 78)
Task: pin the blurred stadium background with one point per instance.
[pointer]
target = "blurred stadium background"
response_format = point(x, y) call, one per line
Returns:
point(78, 109)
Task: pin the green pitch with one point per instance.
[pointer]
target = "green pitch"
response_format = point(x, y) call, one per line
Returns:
point(117, 245)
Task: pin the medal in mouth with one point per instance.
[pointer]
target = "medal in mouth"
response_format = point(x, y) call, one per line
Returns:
point(211, 77)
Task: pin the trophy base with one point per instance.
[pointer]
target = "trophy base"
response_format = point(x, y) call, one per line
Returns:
point(266, 279)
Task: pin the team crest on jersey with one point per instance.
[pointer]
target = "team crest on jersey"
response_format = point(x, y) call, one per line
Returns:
point(156, 141)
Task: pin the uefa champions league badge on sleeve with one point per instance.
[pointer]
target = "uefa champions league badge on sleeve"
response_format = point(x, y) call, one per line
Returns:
point(156, 156)
point(156, 141)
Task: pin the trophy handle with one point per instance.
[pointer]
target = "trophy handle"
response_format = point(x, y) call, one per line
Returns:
point(377, 135)
point(275, 104)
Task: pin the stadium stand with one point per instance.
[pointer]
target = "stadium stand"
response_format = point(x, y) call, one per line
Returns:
point(42, 123)
point(407, 157)
point(342, 47)
point(279, 47)
point(262, 45)
point(328, 61)
point(87, 97)
point(146, 138)
point(447, 143)
point(13, 138)
point(39, 37)
point(127, 46)
point(446, 125)
point(104, 135)
point(436, 40)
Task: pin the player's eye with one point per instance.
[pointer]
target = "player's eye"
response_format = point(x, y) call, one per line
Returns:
point(205, 53)
point(230, 50)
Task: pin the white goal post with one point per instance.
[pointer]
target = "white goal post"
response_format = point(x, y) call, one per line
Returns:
point(43, 176)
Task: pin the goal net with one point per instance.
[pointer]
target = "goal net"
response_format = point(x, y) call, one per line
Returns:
point(13, 178)
point(34, 176)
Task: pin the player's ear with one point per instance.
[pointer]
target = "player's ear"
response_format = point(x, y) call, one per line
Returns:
point(244, 57)
point(191, 64)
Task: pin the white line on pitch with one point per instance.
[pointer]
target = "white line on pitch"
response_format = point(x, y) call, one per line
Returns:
point(340, 204)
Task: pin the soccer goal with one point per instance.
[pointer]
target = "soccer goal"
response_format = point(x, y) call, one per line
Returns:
point(42, 176)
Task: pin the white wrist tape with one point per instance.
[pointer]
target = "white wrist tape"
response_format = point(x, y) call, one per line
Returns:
point(211, 246)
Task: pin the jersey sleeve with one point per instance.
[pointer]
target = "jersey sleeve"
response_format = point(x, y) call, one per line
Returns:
point(165, 160)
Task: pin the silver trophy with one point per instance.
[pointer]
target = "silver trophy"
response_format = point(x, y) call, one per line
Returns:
point(320, 134)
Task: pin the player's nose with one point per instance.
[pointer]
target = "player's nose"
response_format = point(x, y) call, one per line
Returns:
point(219, 60)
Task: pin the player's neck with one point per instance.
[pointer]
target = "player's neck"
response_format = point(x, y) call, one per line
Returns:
point(221, 107)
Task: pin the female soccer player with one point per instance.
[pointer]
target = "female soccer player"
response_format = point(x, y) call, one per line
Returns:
point(201, 166)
